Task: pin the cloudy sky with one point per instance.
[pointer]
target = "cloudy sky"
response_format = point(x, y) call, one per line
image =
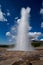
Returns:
point(10, 17)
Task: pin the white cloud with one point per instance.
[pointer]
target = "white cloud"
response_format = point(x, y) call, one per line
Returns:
point(8, 13)
point(11, 35)
point(41, 24)
point(5, 19)
point(41, 39)
point(34, 35)
point(8, 34)
point(2, 18)
point(13, 30)
point(12, 38)
point(16, 18)
point(18, 21)
point(41, 11)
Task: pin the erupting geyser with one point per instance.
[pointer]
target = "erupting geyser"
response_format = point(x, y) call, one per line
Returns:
point(23, 42)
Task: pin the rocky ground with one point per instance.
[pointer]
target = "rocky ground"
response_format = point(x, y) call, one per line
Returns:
point(21, 57)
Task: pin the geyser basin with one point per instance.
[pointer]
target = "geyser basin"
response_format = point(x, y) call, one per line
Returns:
point(23, 42)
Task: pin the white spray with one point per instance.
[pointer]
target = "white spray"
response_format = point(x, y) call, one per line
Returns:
point(23, 42)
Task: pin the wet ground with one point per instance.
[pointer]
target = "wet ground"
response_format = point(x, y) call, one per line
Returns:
point(20, 57)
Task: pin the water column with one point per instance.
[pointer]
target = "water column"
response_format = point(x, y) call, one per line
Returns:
point(23, 42)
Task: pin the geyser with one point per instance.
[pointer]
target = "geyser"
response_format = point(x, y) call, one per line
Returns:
point(23, 42)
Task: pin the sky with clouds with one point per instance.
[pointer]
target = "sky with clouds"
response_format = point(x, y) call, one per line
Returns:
point(10, 17)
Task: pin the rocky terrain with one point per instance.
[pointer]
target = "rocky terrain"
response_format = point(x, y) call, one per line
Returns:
point(21, 57)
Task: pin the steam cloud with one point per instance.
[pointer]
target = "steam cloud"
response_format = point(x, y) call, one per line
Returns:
point(23, 42)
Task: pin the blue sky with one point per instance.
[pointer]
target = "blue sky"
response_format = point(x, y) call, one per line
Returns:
point(11, 10)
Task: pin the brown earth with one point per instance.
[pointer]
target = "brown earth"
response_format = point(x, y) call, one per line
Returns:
point(21, 57)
